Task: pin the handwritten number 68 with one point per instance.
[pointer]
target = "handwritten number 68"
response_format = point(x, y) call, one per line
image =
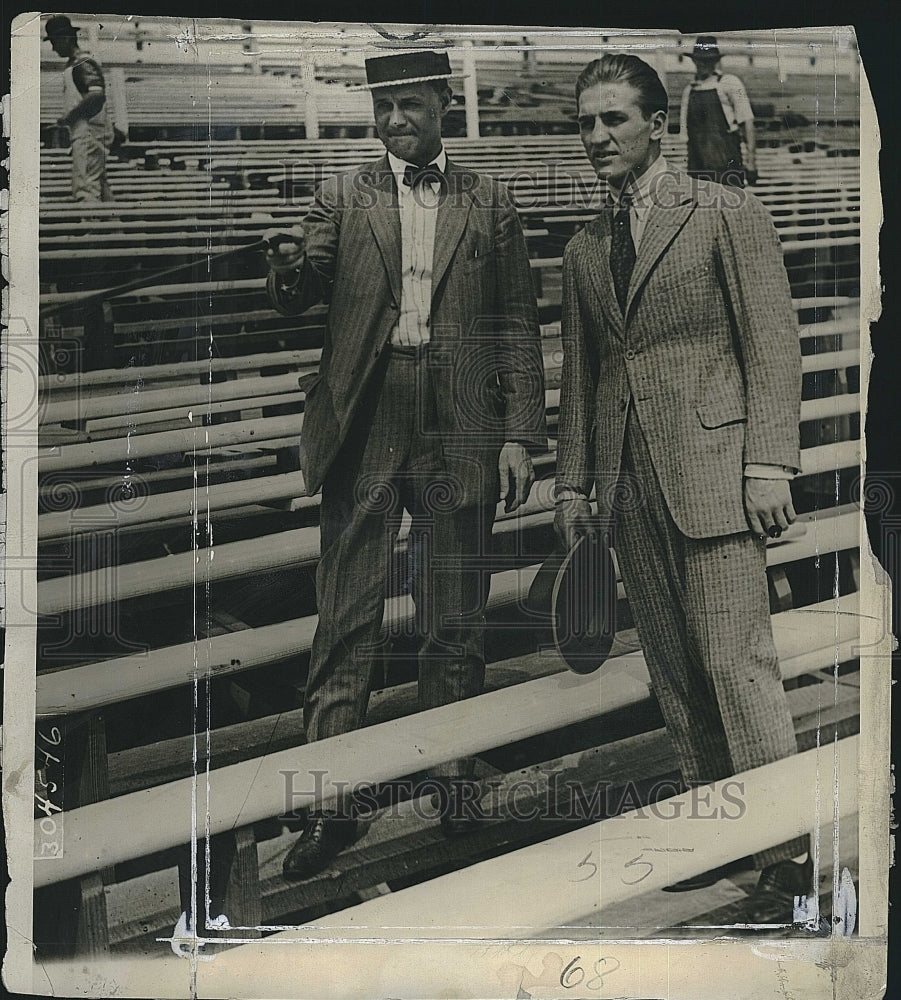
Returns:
point(573, 974)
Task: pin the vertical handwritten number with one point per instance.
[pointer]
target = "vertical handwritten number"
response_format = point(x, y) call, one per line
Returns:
point(582, 864)
point(46, 806)
point(566, 976)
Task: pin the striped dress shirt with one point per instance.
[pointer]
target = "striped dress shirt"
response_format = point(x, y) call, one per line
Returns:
point(418, 215)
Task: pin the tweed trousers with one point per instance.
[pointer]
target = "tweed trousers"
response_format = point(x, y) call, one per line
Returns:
point(702, 611)
point(392, 461)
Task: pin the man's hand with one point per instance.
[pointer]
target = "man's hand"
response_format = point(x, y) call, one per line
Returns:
point(573, 519)
point(517, 475)
point(768, 506)
point(286, 250)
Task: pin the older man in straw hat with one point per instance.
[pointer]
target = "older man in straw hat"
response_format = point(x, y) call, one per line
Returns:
point(429, 399)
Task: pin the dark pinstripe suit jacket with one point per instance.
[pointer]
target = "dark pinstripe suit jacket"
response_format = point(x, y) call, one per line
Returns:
point(707, 352)
point(485, 341)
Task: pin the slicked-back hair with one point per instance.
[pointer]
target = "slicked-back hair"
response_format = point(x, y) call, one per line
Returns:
point(622, 68)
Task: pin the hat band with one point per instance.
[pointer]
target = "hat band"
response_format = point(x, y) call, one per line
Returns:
point(409, 79)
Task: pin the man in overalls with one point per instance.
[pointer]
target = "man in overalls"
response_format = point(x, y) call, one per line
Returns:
point(716, 116)
point(84, 112)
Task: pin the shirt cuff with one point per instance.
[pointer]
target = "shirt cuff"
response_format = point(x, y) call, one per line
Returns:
point(563, 491)
point(758, 471)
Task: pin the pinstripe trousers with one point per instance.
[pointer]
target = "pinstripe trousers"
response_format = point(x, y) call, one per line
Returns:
point(702, 611)
point(392, 461)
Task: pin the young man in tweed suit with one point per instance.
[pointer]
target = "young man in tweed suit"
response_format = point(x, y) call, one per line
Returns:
point(682, 375)
point(429, 397)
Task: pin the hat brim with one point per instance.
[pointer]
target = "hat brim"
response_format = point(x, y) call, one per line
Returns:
point(401, 83)
point(576, 591)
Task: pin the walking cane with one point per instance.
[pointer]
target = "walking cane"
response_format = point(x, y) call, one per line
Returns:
point(86, 298)
point(96, 348)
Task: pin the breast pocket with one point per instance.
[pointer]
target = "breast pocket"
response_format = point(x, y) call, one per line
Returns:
point(719, 412)
point(478, 259)
point(692, 275)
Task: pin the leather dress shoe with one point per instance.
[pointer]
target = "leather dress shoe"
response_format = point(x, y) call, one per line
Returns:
point(458, 804)
point(324, 836)
point(706, 879)
point(773, 900)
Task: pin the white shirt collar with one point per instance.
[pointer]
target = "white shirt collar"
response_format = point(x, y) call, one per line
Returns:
point(640, 188)
point(398, 166)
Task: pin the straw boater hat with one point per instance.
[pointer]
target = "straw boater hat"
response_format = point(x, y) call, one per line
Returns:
point(406, 67)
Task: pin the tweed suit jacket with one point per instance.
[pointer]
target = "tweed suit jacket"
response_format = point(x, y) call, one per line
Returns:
point(706, 351)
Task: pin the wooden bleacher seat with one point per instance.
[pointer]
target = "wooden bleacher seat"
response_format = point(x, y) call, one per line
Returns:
point(239, 484)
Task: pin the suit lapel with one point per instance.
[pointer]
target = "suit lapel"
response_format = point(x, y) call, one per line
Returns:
point(452, 215)
point(384, 218)
point(666, 217)
point(598, 233)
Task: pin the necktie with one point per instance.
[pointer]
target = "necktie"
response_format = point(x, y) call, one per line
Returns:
point(622, 250)
point(414, 176)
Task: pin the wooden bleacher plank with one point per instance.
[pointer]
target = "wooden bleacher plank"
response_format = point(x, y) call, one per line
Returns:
point(97, 406)
point(181, 503)
point(239, 460)
point(655, 915)
point(266, 489)
point(145, 766)
point(397, 846)
point(191, 440)
point(244, 793)
point(133, 375)
point(476, 902)
point(406, 842)
point(139, 410)
point(106, 682)
point(300, 546)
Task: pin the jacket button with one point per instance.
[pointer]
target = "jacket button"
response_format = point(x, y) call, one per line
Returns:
point(630, 355)
point(623, 403)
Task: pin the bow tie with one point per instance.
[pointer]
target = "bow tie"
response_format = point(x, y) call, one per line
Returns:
point(414, 176)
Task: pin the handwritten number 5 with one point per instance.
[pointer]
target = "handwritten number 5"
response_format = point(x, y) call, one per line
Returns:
point(582, 864)
point(638, 861)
